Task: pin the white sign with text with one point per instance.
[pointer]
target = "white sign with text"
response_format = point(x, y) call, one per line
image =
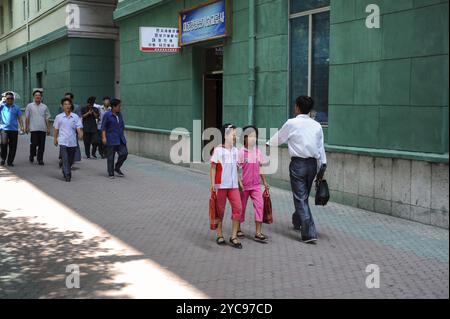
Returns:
point(158, 39)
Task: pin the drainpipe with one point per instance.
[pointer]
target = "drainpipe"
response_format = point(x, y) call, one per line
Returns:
point(28, 51)
point(251, 60)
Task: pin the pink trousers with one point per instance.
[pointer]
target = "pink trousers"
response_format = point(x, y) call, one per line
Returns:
point(258, 204)
point(235, 201)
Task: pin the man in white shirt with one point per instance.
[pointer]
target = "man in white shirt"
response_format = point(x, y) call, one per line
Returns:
point(37, 122)
point(67, 126)
point(308, 160)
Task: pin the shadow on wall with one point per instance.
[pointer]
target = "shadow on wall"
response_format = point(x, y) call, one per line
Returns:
point(32, 253)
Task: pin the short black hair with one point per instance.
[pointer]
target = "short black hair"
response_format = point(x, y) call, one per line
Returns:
point(37, 91)
point(69, 94)
point(10, 94)
point(115, 102)
point(249, 130)
point(91, 100)
point(66, 99)
point(106, 98)
point(305, 103)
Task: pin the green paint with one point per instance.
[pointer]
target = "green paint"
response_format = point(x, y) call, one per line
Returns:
point(389, 87)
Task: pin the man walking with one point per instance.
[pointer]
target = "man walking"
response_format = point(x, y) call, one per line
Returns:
point(67, 126)
point(113, 137)
point(90, 115)
point(11, 118)
point(306, 148)
point(102, 110)
point(38, 123)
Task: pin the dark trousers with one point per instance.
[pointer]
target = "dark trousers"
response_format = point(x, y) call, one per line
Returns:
point(111, 151)
point(89, 138)
point(8, 145)
point(37, 141)
point(302, 174)
point(68, 157)
point(98, 145)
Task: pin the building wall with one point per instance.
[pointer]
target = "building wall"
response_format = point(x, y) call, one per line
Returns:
point(172, 91)
point(388, 129)
point(389, 86)
point(79, 59)
point(271, 65)
point(157, 88)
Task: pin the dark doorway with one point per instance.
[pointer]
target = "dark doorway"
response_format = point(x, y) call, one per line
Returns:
point(213, 89)
point(212, 100)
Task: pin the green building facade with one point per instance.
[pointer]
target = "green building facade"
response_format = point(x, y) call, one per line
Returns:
point(58, 47)
point(381, 93)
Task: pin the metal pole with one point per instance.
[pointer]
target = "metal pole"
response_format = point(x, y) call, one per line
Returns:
point(252, 61)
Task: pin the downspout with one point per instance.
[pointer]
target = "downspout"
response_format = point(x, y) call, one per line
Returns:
point(251, 60)
point(28, 50)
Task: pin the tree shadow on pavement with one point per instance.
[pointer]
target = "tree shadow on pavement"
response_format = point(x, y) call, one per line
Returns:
point(34, 257)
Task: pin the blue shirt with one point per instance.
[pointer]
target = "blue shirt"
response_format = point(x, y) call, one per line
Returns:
point(67, 126)
point(9, 115)
point(114, 127)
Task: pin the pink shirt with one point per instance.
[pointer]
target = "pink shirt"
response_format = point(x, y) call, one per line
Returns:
point(250, 163)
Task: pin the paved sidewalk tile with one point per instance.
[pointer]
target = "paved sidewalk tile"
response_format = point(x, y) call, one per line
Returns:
point(147, 235)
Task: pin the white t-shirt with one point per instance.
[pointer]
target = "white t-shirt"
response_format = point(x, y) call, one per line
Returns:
point(226, 170)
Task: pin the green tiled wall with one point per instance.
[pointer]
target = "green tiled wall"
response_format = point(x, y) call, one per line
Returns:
point(82, 66)
point(163, 90)
point(389, 86)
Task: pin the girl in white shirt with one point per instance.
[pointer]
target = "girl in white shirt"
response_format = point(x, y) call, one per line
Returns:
point(224, 181)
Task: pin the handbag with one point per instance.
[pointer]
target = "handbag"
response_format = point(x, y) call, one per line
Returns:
point(322, 192)
point(212, 211)
point(268, 218)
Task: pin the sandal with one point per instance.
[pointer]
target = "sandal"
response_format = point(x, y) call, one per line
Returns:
point(220, 241)
point(240, 234)
point(235, 243)
point(260, 238)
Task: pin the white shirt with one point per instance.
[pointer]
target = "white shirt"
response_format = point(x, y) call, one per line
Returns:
point(67, 126)
point(304, 136)
point(226, 169)
point(38, 115)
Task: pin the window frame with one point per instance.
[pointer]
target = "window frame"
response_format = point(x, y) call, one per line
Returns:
point(293, 16)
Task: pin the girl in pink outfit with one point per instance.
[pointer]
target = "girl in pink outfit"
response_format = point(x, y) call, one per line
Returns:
point(225, 181)
point(250, 161)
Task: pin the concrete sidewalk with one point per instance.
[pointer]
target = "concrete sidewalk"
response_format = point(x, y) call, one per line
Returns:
point(147, 235)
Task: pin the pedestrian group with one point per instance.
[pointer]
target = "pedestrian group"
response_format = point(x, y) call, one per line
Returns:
point(235, 174)
point(101, 127)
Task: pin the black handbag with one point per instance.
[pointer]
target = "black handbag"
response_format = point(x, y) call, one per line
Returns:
point(322, 192)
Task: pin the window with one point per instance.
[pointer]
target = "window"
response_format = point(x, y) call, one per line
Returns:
point(39, 82)
point(24, 10)
point(2, 85)
point(309, 53)
point(25, 76)
point(2, 20)
point(11, 75)
point(10, 14)
point(38, 5)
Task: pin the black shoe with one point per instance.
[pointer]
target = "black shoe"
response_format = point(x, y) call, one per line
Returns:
point(2, 163)
point(235, 243)
point(94, 156)
point(68, 179)
point(119, 172)
point(10, 164)
point(260, 238)
point(41, 163)
point(31, 158)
